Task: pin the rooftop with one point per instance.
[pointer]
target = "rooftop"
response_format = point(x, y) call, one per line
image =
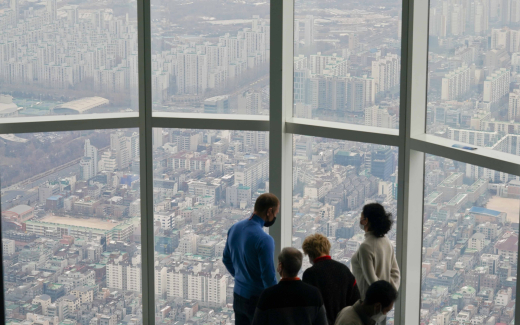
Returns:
point(508, 244)
point(20, 209)
point(82, 105)
point(484, 211)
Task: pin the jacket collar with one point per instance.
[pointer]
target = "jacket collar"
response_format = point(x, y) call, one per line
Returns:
point(322, 258)
point(359, 311)
point(257, 219)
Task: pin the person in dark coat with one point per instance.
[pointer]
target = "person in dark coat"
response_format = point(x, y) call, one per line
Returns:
point(334, 279)
point(290, 302)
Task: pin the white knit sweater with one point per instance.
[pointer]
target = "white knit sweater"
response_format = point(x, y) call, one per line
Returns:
point(375, 260)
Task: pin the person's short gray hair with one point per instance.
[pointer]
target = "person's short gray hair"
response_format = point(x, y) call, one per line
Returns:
point(291, 260)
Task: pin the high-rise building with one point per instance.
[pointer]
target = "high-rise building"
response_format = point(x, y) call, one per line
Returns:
point(13, 4)
point(302, 110)
point(157, 138)
point(330, 65)
point(476, 138)
point(513, 110)
point(456, 83)
point(250, 103)
point(496, 86)
point(386, 72)
point(86, 168)
point(301, 85)
point(255, 141)
point(252, 172)
point(120, 146)
point(309, 30)
point(186, 140)
point(124, 275)
point(217, 105)
point(361, 93)
point(91, 152)
point(382, 163)
point(134, 145)
point(192, 74)
point(52, 9)
point(296, 34)
point(188, 244)
point(379, 117)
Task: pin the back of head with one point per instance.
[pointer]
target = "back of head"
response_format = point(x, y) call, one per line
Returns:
point(316, 245)
point(382, 292)
point(264, 202)
point(380, 220)
point(291, 260)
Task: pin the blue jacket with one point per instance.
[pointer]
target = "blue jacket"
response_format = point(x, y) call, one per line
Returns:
point(249, 257)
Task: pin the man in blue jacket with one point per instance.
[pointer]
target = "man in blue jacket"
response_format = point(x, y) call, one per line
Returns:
point(249, 257)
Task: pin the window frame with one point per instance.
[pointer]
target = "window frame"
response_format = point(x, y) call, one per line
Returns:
point(410, 138)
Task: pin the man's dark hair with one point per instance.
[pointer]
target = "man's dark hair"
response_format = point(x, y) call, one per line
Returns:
point(291, 260)
point(265, 202)
point(380, 292)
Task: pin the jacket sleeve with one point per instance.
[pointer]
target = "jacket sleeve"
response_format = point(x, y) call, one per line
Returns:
point(308, 278)
point(367, 261)
point(226, 258)
point(321, 317)
point(353, 293)
point(265, 249)
point(261, 313)
point(395, 274)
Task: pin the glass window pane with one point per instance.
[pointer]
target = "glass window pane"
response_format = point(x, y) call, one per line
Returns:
point(65, 58)
point(204, 182)
point(470, 244)
point(332, 180)
point(210, 56)
point(71, 227)
point(347, 62)
point(473, 73)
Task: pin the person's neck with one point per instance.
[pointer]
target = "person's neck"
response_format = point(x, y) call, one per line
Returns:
point(367, 310)
point(261, 217)
point(289, 278)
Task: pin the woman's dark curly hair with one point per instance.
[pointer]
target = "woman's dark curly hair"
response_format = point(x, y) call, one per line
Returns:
point(380, 220)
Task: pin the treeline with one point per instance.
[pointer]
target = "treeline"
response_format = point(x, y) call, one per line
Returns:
point(20, 161)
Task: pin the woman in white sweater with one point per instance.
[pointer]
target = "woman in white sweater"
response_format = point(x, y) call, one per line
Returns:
point(375, 259)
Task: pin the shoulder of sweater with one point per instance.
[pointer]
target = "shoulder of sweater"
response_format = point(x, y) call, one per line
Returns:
point(264, 240)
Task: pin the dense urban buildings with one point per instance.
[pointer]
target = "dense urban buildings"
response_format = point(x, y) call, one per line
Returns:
point(71, 201)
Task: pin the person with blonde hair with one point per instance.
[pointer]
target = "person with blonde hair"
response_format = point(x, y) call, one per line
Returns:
point(333, 279)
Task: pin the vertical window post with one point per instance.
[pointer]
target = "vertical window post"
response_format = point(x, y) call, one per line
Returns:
point(280, 142)
point(146, 161)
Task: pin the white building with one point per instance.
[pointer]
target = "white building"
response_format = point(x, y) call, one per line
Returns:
point(513, 111)
point(166, 219)
point(379, 117)
point(124, 276)
point(157, 138)
point(386, 72)
point(456, 83)
point(477, 138)
point(188, 244)
point(238, 196)
point(8, 247)
point(496, 86)
point(503, 297)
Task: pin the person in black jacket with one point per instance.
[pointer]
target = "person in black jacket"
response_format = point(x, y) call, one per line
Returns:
point(334, 279)
point(290, 302)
